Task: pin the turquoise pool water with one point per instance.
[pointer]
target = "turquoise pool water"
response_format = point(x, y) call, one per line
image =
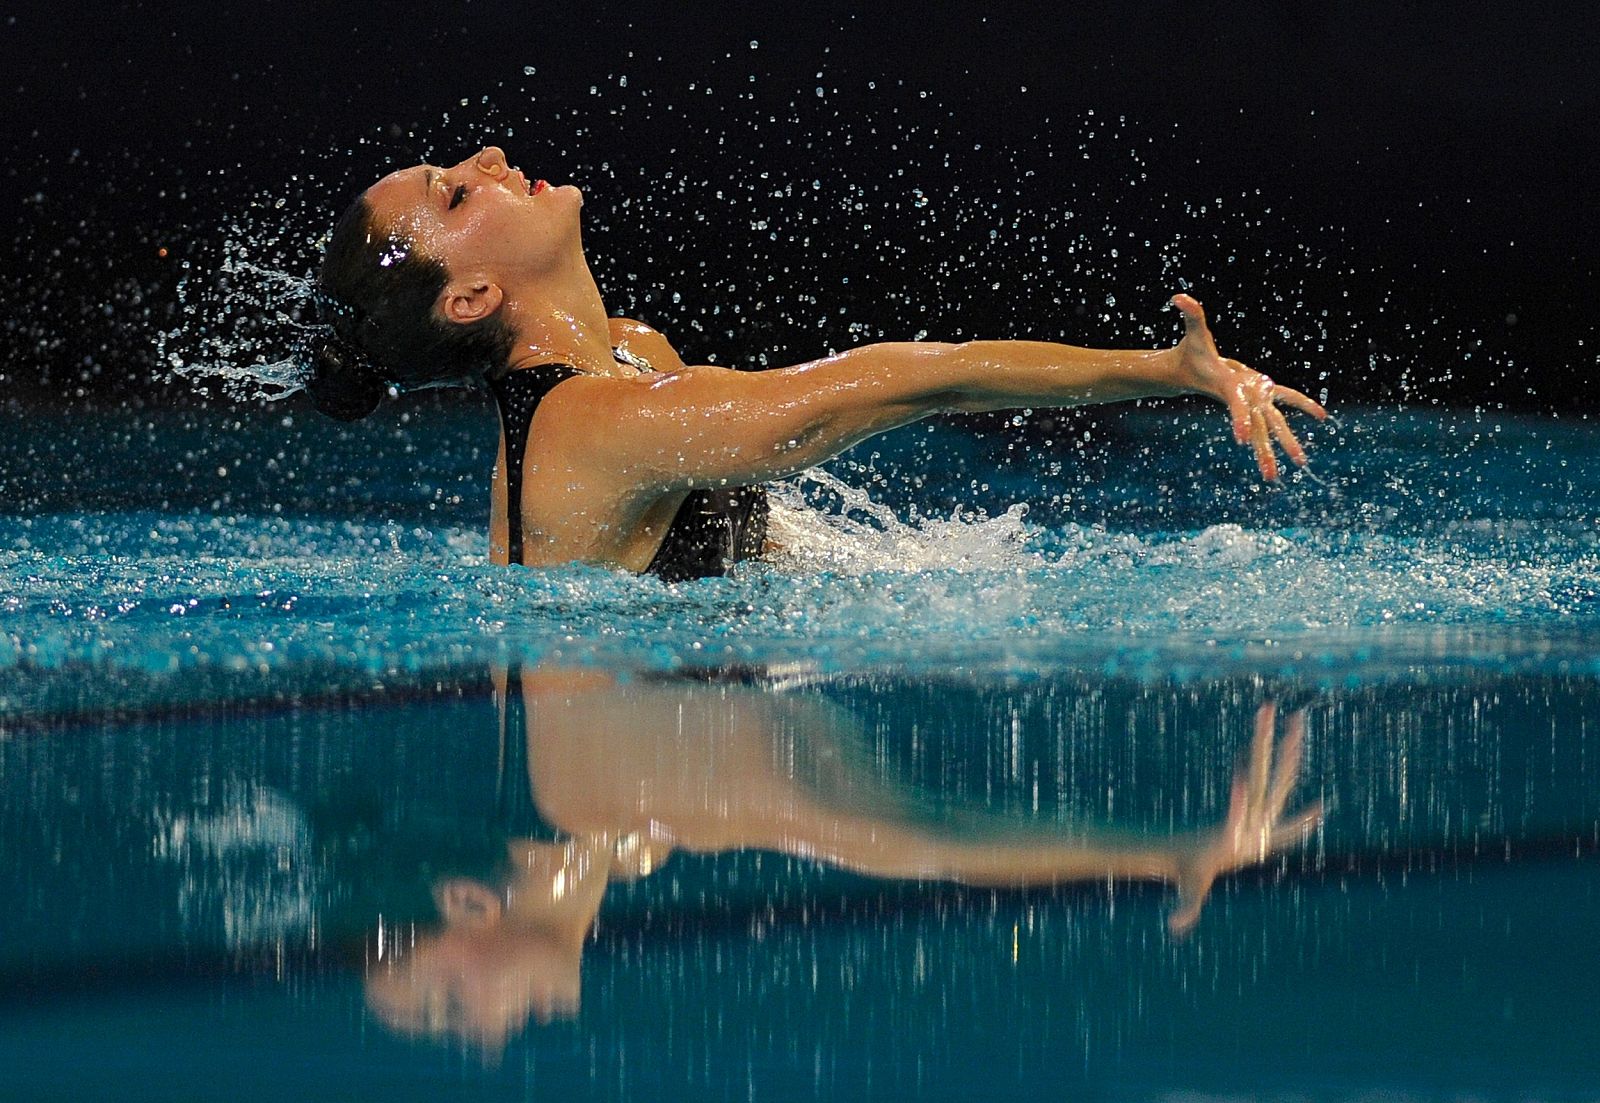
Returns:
point(270, 550)
point(248, 727)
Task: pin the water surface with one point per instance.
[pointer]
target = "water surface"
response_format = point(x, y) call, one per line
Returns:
point(248, 729)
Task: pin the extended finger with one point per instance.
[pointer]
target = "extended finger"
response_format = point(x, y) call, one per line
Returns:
point(1295, 831)
point(1194, 315)
point(1194, 320)
point(1301, 402)
point(1193, 888)
point(1238, 808)
point(1284, 435)
point(1239, 415)
point(1286, 765)
point(1262, 443)
point(1261, 757)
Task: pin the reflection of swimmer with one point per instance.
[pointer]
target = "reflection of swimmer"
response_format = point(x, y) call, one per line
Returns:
point(615, 453)
point(616, 771)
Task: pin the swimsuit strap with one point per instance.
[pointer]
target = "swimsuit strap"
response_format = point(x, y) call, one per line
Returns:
point(712, 530)
point(516, 813)
point(518, 394)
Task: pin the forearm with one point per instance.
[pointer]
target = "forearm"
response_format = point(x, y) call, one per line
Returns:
point(858, 394)
point(1000, 865)
point(709, 426)
point(998, 375)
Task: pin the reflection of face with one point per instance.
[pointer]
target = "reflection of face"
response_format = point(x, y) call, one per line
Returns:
point(480, 985)
point(480, 217)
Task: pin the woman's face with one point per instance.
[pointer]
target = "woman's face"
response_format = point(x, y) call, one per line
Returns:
point(482, 218)
point(480, 986)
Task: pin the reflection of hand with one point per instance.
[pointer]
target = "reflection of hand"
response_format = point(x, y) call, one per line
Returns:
point(1252, 832)
point(1250, 396)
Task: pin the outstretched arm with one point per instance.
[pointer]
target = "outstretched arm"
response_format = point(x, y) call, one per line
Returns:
point(713, 427)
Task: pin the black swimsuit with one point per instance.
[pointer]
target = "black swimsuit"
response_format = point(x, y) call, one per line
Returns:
point(712, 530)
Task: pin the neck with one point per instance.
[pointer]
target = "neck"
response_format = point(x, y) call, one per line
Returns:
point(562, 319)
point(557, 887)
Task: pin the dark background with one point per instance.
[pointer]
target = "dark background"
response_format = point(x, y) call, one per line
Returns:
point(1408, 208)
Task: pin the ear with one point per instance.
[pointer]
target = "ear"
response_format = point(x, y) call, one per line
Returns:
point(470, 300)
point(467, 904)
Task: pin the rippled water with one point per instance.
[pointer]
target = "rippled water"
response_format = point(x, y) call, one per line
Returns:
point(248, 726)
point(185, 550)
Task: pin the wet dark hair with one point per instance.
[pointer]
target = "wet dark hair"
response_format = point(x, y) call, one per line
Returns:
point(376, 295)
point(379, 864)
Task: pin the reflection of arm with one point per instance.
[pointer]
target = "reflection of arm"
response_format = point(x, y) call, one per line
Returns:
point(711, 768)
point(881, 849)
point(1257, 826)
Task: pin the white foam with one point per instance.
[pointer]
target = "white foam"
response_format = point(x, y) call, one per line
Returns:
point(866, 536)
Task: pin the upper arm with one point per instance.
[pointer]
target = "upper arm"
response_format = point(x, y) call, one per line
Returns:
point(708, 426)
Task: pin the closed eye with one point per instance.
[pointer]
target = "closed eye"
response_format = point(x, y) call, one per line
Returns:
point(457, 196)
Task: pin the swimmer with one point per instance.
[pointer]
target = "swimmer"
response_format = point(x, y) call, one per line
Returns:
point(613, 452)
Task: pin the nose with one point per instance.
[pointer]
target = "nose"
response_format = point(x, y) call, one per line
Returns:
point(492, 160)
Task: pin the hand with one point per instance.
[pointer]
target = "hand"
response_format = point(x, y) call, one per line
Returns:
point(1252, 832)
point(1248, 394)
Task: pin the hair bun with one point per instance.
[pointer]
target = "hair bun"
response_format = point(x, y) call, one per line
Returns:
point(342, 383)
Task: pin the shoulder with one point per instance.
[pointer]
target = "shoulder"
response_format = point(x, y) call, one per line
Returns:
point(630, 327)
point(645, 342)
point(587, 407)
point(601, 394)
point(613, 420)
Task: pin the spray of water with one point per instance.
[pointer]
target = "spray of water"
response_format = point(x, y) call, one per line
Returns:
point(787, 229)
point(242, 323)
point(853, 535)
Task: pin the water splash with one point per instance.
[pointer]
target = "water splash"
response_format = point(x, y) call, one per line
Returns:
point(244, 319)
point(841, 233)
point(823, 523)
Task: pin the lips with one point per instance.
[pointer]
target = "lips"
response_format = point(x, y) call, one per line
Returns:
point(532, 187)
